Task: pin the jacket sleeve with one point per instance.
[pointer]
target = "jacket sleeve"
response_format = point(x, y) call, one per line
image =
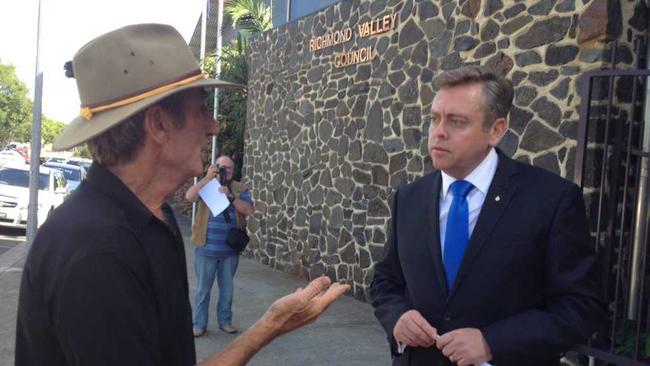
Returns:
point(573, 302)
point(388, 289)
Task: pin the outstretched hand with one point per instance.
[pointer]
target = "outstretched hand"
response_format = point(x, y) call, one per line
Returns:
point(303, 306)
point(285, 314)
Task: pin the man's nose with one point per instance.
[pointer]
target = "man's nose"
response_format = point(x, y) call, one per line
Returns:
point(439, 129)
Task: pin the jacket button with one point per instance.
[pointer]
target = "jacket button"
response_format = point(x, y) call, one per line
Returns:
point(447, 317)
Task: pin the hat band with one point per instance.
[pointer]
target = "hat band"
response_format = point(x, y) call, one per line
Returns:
point(87, 112)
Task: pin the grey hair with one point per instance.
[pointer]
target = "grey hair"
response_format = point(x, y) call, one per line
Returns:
point(121, 143)
point(497, 90)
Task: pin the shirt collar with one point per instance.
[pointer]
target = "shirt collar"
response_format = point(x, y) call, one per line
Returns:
point(481, 177)
point(107, 183)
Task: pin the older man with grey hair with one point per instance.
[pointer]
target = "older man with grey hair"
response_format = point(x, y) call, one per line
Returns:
point(105, 282)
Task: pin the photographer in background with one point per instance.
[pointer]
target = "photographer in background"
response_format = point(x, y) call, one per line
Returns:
point(213, 254)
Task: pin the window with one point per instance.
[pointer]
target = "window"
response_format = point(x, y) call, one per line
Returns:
point(70, 174)
point(20, 178)
point(300, 8)
point(59, 181)
point(289, 10)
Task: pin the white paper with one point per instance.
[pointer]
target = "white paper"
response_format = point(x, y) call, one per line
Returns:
point(216, 200)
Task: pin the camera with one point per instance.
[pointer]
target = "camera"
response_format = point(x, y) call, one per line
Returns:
point(222, 171)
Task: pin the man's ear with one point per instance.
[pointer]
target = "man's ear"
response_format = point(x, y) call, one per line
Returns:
point(497, 130)
point(157, 124)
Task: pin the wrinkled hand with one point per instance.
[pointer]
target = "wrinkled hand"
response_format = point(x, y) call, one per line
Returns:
point(224, 189)
point(465, 347)
point(414, 331)
point(303, 306)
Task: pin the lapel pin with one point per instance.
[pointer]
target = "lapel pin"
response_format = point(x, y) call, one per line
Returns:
point(497, 198)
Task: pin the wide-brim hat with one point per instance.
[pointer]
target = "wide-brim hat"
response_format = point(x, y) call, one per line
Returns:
point(124, 71)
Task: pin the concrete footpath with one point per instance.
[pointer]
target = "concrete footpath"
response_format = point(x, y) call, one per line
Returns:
point(347, 334)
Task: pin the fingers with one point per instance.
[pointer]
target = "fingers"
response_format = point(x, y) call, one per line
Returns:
point(427, 330)
point(467, 347)
point(414, 330)
point(315, 305)
point(306, 305)
point(319, 295)
point(418, 326)
point(444, 340)
point(448, 351)
point(408, 339)
point(315, 287)
point(212, 170)
point(333, 292)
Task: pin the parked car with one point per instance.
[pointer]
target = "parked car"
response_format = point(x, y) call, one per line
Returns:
point(14, 194)
point(11, 157)
point(56, 159)
point(73, 174)
point(84, 163)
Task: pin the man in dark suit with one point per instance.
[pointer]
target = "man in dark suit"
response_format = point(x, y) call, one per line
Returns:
point(489, 259)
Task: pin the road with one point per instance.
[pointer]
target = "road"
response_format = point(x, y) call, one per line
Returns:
point(10, 237)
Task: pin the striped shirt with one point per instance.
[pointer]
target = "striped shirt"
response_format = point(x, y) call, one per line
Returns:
point(218, 228)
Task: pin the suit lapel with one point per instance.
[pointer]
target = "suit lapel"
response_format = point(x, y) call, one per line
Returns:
point(498, 197)
point(432, 217)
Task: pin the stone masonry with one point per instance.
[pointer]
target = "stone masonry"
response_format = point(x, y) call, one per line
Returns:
point(326, 147)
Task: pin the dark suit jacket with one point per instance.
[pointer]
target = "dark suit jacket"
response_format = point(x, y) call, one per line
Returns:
point(528, 280)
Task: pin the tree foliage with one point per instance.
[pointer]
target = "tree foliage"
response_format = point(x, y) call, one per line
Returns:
point(16, 111)
point(232, 103)
point(15, 106)
point(82, 151)
point(250, 17)
point(50, 129)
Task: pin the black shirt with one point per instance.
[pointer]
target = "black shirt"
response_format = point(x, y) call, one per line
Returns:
point(105, 283)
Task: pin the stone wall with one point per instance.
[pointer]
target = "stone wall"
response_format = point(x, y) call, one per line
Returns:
point(326, 147)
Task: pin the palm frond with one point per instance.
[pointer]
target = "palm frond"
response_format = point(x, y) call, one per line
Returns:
point(250, 16)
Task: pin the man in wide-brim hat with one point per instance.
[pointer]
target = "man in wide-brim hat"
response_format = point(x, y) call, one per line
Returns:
point(105, 282)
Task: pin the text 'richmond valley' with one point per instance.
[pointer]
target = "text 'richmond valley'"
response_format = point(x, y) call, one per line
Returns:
point(339, 36)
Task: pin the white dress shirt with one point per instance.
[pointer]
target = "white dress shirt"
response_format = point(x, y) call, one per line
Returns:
point(481, 178)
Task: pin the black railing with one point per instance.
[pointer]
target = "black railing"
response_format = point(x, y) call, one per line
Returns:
point(609, 168)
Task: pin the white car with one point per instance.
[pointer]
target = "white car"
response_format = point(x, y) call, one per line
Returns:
point(14, 194)
point(11, 157)
point(73, 174)
point(84, 163)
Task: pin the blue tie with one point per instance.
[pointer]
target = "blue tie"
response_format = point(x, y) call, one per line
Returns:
point(457, 234)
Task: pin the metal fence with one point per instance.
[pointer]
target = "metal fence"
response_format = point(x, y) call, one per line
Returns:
point(611, 166)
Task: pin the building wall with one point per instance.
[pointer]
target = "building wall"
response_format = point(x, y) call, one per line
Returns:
point(327, 147)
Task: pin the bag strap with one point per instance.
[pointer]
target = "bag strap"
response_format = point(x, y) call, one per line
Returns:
point(226, 215)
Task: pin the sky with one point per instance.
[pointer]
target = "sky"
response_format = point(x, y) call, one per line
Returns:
point(66, 25)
